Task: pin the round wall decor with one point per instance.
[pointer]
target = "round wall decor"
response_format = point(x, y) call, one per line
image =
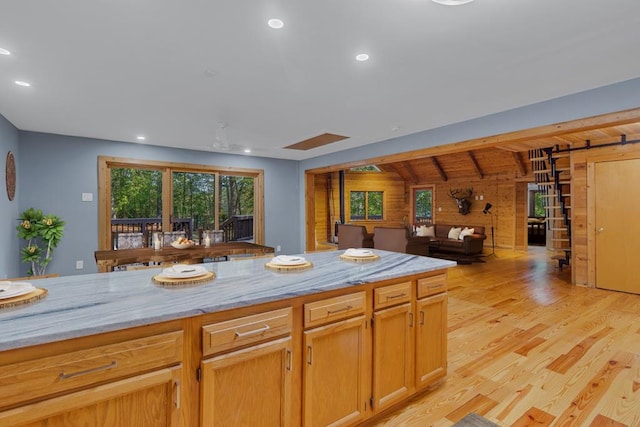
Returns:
point(10, 175)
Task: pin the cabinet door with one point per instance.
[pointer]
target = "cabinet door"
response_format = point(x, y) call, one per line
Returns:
point(336, 379)
point(393, 355)
point(250, 387)
point(431, 339)
point(148, 400)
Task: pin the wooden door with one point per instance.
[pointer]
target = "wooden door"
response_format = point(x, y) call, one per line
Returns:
point(431, 339)
point(393, 355)
point(147, 400)
point(336, 383)
point(250, 387)
point(617, 248)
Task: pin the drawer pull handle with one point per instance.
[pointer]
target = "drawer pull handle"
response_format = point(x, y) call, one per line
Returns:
point(396, 296)
point(176, 387)
point(64, 376)
point(265, 328)
point(338, 310)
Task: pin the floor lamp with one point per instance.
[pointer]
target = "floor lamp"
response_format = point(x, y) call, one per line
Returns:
point(487, 210)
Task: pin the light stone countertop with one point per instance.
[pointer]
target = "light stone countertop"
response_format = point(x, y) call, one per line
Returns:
point(95, 303)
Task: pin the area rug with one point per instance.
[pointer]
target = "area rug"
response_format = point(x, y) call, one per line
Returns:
point(474, 420)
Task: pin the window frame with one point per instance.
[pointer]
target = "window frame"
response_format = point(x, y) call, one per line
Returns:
point(105, 163)
point(412, 207)
point(366, 205)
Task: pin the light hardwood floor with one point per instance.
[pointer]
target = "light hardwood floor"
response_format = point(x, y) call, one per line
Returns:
point(527, 348)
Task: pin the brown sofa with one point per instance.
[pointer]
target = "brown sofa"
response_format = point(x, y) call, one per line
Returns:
point(400, 240)
point(469, 245)
point(354, 236)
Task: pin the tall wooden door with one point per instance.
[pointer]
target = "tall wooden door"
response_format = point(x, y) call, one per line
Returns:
point(617, 247)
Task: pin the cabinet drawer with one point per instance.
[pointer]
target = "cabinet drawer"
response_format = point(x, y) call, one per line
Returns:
point(331, 309)
point(239, 332)
point(51, 375)
point(432, 285)
point(388, 296)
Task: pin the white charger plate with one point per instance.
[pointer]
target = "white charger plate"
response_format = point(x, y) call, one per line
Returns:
point(288, 260)
point(183, 271)
point(16, 289)
point(359, 253)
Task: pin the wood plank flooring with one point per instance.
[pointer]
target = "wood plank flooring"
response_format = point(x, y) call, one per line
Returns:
point(526, 348)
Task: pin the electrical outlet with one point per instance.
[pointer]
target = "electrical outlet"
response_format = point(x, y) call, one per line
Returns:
point(481, 197)
point(79, 264)
point(439, 209)
point(278, 248)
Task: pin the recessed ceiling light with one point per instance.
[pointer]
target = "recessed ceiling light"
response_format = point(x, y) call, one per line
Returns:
point(141, 137)
point(275, 23)
point(362, 57)
point(21, 83)
point(247, 150)
point(4, 52)
point(452, 2)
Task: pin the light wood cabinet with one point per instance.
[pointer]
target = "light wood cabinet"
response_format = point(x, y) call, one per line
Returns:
point(336, 373)
point(99, 386)
point(251, 385)
point(393, 355)
point(431, 339)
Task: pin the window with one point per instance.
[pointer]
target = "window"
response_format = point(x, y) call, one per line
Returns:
point(422, 205)
point(536, 204)
point(142, 197)
point(366, 205)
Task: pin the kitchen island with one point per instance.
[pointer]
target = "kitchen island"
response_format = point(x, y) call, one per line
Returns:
point(337, 343)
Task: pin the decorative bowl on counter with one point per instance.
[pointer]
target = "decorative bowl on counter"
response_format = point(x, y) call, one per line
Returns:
point(183, 243)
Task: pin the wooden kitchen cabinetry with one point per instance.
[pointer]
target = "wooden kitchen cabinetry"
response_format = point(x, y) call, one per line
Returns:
point(250, 386)
point(431, 330)
point(393, 350)
point(134, 382)
point(337, 361)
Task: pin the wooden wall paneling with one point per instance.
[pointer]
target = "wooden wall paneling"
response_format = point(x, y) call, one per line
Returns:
point(394, 203)
point(520, 241)
point(583, 202)
point(322, 204)
point(475, 164)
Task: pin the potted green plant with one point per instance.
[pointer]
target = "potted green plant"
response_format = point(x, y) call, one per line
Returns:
point(42, 233)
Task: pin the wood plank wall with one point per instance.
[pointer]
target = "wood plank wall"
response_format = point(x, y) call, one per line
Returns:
point(582, 207)
point(499, 190)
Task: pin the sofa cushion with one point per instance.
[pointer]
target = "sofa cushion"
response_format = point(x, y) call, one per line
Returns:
point(425, 231)
point(454, 233)
point(466, 232)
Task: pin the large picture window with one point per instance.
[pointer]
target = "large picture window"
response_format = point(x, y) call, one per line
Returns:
point(366, 205)
point(141, 197)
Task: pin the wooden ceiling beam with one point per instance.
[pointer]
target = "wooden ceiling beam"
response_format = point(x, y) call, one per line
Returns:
point(475, 164)
point(519, 163)
point(400, 171)
point(412, 173)
point(501, 140)
point(438, 167)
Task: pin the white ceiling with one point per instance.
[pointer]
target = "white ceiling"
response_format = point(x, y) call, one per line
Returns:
point(172, 70)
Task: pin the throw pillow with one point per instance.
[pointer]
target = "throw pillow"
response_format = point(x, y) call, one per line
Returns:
point(466, 232)
point(454, 233)
point(420, 231)
point(430, 231)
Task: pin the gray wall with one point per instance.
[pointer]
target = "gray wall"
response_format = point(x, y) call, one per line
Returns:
point(58, 169)
point(9, 211)
point(606, 99)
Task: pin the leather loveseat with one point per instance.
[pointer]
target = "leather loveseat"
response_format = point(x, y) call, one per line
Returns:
point(470, 243)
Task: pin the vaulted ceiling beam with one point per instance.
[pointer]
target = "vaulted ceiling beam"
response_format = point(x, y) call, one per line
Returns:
point(436, 164)
point(412, 173)
point(400, 171)
point(476, 166)
point(519, 163)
